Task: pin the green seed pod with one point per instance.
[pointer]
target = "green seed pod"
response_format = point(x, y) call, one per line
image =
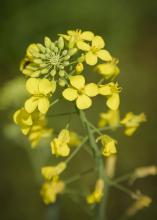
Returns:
point(53, 72)
point(72, 51)
point(61, 73)
point(60, 43)
point(47, 42)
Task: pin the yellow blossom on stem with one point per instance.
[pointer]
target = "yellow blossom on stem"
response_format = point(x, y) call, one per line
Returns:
point(32, 124)
point(79, 68)
point(111, 90)
point(110, 118)
point(60, 145)
point(132, 122)
point(75, 37)
point(109, 145)
point(50, 190)
point(40, 89)
point(109, 69)
point(80, 92)
point(96, 196)
point(49, 172)
point(95, 51)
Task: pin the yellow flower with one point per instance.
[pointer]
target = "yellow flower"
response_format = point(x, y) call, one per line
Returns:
point(32, 124)
point(110, 118)
point(108, 69)
point(111, 90)
point(77, 36)
point(96, 196)
point(49, 172)
point(75, 140)
point(50, 190)
point(142, 202)
point(59, 146)
point(95, 51)
point(40, 89)
point(132, 122)
point(109, 145)
point(24, 119)
point(80, 92)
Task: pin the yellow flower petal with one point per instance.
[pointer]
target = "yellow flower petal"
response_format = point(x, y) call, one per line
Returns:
point(70, 94)
point(105, 90)
point(32, 86)
point(83, 46)
point(91, 58)
point(31, 104)
point(91, 89)
point(65, 150)
point(43, 105)
point(104, 55)
point(83, 102)
point(64, 136)
point(46, 86)
point(113, 102)
point(98, 42)
point(77, 82)
point(87, 35)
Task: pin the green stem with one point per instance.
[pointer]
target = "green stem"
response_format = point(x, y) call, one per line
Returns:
point(62, 114)
point(101, 212)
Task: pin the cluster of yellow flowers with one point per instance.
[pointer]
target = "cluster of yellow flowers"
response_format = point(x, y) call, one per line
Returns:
point(57, 68)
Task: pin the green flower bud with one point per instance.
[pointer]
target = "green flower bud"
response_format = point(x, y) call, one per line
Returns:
point(64, 52)
point(47, 42)
point(60, 43)
point(61, 73)
point(53, 72)
point(72, 51)
point(62, 82)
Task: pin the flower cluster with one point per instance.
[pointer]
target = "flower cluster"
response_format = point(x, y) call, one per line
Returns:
point(56, 71)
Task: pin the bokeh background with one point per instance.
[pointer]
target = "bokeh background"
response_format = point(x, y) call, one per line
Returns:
point(130, 31)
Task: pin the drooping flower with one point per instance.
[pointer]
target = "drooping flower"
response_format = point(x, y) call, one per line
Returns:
point(80, 92)
point(110, 118)
point(51, 189)
point(111, 90)
point(132, 122)
point(60, 145)
point(50, 172)
point(109, 69)
point(95, 51)
point(141, 202)
point(33, 125)
point(109, 145)
point(40, 89)
point(75, 37)
point(46, 59)
point(96, 196)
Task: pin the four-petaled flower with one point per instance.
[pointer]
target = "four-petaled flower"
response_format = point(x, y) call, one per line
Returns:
point(111, 90)
point(40, 89)
point(80, 92)
point(95, 51)
point(77, 37)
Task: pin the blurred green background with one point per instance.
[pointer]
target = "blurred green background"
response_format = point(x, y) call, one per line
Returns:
point(130, 30)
